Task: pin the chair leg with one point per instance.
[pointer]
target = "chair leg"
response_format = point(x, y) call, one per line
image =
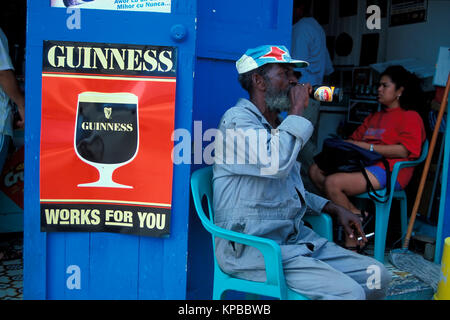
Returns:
point(404, 215)
point(381, 226)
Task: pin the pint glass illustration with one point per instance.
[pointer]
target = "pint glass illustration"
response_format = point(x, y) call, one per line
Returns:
point(106, 133)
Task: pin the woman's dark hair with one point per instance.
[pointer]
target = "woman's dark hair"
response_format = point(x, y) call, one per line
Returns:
point(412, 97)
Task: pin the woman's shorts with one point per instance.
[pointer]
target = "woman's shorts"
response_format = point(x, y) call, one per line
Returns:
point(380, 174)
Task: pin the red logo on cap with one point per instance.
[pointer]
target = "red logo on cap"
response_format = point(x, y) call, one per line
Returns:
point(276, 53)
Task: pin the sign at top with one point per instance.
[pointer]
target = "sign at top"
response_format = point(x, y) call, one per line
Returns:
point(117, 5)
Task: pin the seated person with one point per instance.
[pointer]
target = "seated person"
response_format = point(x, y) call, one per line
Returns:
point(397, 132)
point(266, 197)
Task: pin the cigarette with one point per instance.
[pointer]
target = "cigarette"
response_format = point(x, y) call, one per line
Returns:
point(367, 236)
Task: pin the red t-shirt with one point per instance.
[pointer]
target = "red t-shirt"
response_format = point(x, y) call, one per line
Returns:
point(394, 126)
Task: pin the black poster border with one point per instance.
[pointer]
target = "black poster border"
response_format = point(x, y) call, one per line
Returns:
point(93, 217)
point(137, 60)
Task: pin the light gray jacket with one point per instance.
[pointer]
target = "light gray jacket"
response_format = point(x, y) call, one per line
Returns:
point(263, 197)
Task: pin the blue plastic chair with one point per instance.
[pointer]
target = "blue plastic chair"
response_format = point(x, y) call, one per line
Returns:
point(275, 285)
point(382, 209)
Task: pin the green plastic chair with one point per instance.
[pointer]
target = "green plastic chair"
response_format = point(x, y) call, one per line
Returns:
point(275, 285)
point(382, 209)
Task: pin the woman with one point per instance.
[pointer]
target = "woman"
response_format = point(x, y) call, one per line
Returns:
point(397, 132)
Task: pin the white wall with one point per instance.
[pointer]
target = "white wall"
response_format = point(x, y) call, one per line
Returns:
point(421, 40)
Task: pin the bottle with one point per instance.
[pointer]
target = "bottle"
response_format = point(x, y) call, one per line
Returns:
point(326, 93)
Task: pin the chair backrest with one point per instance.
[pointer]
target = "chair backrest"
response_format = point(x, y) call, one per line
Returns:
point(424, 153)
point(402, 164)
point(397, 167)
point(275, 285)
point(201, 184)
point(411, 163)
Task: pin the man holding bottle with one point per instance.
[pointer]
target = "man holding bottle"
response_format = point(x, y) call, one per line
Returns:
point(272, 205)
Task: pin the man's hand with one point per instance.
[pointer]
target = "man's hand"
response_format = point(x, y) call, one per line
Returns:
point(299, 96)
point(350, 221)
point(20, 123)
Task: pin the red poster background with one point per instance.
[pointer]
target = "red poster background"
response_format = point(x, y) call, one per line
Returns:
point(150, 173)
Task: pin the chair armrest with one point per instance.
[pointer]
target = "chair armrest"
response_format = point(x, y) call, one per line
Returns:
point(322, 224)
point(269, 248)
point(400, 165)
point(395, 170)
point(405, 164)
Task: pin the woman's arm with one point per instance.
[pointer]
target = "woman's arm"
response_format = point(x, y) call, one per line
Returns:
point(388, 150)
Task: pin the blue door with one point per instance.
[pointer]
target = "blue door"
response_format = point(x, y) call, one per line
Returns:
point(226, 29)
point(101, 265)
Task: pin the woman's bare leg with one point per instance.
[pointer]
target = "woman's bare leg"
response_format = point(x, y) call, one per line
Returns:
point(317, 177)
point(338, 187)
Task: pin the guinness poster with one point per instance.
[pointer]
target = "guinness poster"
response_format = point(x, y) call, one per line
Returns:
point(107, 120)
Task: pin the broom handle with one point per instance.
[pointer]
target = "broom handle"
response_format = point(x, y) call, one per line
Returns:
point(427, 165)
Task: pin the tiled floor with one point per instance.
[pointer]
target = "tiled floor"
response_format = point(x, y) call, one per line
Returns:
point(405, 286)
point(11, 268)
point(11, 285)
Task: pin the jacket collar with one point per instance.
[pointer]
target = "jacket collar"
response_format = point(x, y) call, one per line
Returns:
point(247, 104)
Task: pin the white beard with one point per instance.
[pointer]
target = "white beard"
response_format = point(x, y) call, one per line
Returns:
point(277, 101)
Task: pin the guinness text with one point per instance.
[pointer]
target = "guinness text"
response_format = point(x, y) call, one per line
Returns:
point(106, 126)
point(105, 58)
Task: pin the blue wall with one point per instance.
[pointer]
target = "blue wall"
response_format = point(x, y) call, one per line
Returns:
point(116, 266)
point(113, 266)
point(226, 29)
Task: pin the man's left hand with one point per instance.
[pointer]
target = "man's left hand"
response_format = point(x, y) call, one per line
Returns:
point(350, 221)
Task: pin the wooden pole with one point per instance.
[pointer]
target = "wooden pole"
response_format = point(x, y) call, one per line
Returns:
point(427, 165)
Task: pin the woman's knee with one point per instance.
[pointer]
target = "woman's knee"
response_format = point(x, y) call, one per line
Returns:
point(332, 184)
point(349, 184)
point(313, 171)
point(316, 175)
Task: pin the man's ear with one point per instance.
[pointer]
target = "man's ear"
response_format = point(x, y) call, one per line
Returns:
point(258, 82)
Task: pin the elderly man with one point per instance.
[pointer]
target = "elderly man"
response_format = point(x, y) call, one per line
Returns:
point(258, 189)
